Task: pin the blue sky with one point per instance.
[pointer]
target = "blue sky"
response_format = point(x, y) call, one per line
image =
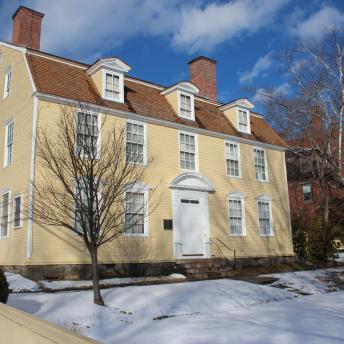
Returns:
point(158, 37)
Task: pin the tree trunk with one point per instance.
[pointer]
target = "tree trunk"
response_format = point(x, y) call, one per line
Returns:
point(97, 297)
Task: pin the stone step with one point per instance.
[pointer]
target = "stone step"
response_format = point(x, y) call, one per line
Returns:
point(202, 265)
point(198, 260)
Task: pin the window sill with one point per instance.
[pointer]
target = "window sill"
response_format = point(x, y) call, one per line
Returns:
point(236, 177)
point(144, 235)
point(237, 235)
point(18, 227)
point(4, 238)
point(262, 180)
point(113, 100)
point(267, 235)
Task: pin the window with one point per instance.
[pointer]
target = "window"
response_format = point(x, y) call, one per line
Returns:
point(17, 212)
point(233, 159)
point(260, 164)
point(264, 216)
point(243, 121)
point(84, 192)
point(135, 204)
point(236, 214)
point(188, 152)
point(307, 192)
point(113, 86)
point(8, 79)
point(135, 142)
point(8, 156)
point(186, 106)
point(5, 200)
point(87, 135)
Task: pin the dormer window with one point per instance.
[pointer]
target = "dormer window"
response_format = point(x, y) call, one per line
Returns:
point(181, 97)
point(186, 108)
point(243, 121)
point(112, 87)
point(108, 74)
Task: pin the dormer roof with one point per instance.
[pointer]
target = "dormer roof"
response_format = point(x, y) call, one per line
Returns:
point(243, 103)
point(184, 86)
point(111, 63)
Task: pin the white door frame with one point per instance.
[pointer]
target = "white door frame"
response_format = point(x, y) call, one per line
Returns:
point(189, 185)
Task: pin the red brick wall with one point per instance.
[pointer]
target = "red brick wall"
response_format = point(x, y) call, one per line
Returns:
point(203, 75)
point(27, 28)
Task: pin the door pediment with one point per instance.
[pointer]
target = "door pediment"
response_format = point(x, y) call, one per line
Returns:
point(192, 181)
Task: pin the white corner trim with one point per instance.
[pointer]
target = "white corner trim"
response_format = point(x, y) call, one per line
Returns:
point(34, 89)
point(32, 177)
point(11, 46)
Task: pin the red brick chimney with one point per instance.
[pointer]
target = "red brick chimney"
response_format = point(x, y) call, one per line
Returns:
point(26, 29)
point(203, 75)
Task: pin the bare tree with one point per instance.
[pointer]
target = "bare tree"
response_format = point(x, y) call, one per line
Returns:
point(88, 180)
point(310, 116)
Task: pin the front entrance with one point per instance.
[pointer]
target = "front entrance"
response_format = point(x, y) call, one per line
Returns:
point(191, 216)
point(191, 226)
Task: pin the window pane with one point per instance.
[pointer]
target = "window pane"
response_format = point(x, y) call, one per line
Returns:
point(4, 214)
point(17, 211)
point(187, 152)
point(259, 164)
point(232, 158)
point(134, 212)
point(235, 217)
point(135, 142)
point(264, 217)
point(87, 135)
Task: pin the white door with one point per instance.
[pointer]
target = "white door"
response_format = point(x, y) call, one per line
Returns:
point(192, 223)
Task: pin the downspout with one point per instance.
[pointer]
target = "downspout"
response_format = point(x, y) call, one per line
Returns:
point(32, 176)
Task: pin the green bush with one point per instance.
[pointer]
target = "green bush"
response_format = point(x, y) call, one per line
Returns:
point(313, 241)
point(4, 291)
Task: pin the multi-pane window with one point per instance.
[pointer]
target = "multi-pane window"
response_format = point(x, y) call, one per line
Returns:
point(243, 119)
point(8, 79)
point(135, 213)
point(112, 86)
point(185, 106)
point(135, 142)
point(85, 192)
point(233, 159)
point(260, 164)
point(236, 216)
point(87, 135)
point(307, 192)
point(187, 152)
point(5, 201)
point(8, 156)
point(17, 212)
point(264, 217)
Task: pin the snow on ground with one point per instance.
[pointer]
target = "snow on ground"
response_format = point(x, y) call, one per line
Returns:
point(340, 257)
point(20, 284)
point(217, 311)
point(308, 282)
point(65, 285)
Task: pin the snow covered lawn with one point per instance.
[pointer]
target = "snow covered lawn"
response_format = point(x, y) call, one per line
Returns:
point(216, 312)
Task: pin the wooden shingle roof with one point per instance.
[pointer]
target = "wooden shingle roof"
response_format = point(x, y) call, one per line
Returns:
point(63, 78)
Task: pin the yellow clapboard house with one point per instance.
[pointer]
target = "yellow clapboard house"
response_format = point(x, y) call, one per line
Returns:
point(219, 168)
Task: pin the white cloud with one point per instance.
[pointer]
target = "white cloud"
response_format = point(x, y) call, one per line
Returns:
point(263, 64)
point(317, 23)
point(205, 28)
point(86, 28)
point(260, 95)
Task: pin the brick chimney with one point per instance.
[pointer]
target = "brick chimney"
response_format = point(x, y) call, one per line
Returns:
point(26, 30)
point(203, 74)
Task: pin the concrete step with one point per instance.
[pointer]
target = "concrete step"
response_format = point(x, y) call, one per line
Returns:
point(211, 275)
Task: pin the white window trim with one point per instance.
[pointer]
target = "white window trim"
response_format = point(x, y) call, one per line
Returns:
point(239, 157)
point(143, 188)
point(267, 199)
point(144, 138)
point(8, 122)
point(99, 138)
point(21, 211)
point(248, 131)
point(237, 196)
point(266, 164)
point(196, 150)
point(6, 82)
point(192, 101)
point(120, 85)
point(5, 191)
